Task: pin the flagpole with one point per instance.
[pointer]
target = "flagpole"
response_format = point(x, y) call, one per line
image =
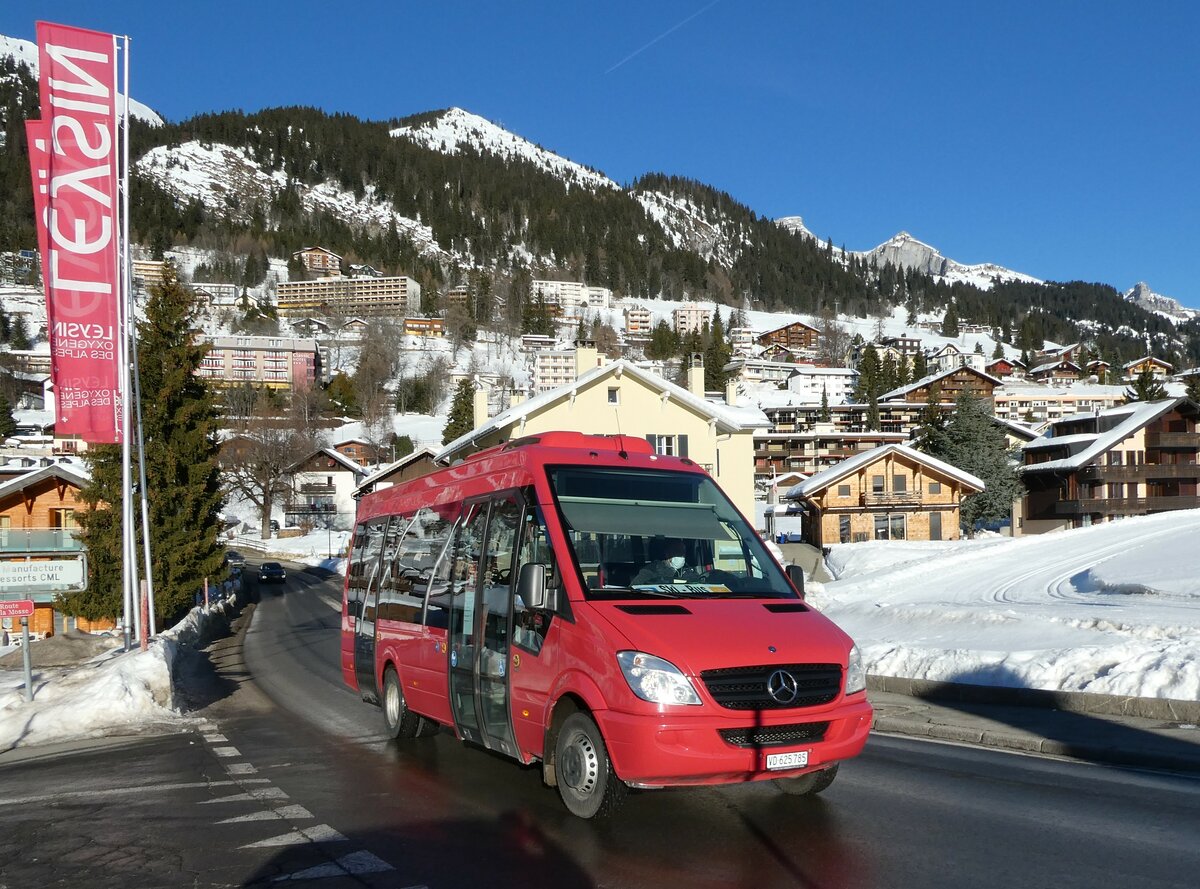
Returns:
point(125, 306)
point(137, 382)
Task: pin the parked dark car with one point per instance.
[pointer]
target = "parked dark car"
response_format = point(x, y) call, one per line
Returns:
point(271, 572)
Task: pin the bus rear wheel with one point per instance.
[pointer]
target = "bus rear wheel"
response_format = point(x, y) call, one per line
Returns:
point(586, 781)
point(808, 785)
point(398, 720)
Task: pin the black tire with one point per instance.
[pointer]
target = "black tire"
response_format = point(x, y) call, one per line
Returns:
point(586, 781)
point(398, 720)
point(808, 785)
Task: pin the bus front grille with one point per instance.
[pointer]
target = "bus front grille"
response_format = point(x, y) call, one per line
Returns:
point(773, 686)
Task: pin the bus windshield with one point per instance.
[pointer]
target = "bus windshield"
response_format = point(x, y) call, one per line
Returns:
point(637, 533)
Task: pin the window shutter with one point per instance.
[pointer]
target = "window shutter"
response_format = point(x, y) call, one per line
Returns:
point(683, 446)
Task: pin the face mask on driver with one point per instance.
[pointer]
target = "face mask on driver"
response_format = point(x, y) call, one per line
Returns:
point(677, 562)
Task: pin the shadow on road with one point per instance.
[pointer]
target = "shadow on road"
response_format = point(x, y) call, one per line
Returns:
point(510, 850)
point(994, 695)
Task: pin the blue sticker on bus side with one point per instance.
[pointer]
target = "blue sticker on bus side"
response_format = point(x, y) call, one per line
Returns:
point(454, 658)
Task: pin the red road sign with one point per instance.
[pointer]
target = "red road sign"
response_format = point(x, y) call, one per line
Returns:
point(16, 608)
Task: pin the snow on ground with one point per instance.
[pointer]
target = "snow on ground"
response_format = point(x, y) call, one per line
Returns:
point(1111, 609)
point(115, 691)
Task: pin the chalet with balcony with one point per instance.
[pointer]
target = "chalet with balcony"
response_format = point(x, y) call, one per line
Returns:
point(1135, 459)
point(892, 492)
point(1006, 369)
point(946, 385)
point(322, 493)
point(797, 336)
point(1158, 368)
point(1056, 372)
point(38, 503)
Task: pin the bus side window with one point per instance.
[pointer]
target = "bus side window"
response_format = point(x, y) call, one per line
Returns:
point(442, 525)
point(531, 626)
point(397, 598)
point(364, 562)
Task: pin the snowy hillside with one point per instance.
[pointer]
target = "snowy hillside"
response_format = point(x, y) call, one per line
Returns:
point(905, 251)
point(455, 128)
point(227, 179)
point(687, 227)
point(25, 51)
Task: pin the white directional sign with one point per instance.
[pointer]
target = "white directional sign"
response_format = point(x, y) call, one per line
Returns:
point(48, 574)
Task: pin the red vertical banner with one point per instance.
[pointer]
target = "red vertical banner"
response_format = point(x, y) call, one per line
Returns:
point(74, 160)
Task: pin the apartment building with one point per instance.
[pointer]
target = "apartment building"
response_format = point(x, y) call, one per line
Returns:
point(399, 295)
point(571, 296)
point(638, 321)
point(1135, 459)
point(274, 362)
point(552, 368)
point(319, 261)
point(1037, 404)
point(690, 318)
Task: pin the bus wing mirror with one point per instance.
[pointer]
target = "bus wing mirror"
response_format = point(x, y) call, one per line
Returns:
point(796, 575)
point(531, 586)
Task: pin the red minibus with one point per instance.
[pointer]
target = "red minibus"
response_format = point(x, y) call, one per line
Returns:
point(581, 601)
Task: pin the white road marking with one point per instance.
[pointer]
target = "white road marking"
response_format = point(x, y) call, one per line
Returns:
point(226, 751)
point(141, 790)
point(348, 865)
point(255, 793)
point(290, 813)
point(318, 833)
point(214, 738)
point(240, 768)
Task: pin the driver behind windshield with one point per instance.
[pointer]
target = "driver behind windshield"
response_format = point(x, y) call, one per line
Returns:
point(669, 566)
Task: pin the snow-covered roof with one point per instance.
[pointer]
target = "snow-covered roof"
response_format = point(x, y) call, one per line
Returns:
point(1051, 365)
point(933, 378)
point(343, 460)
point(729, 418)
point(1147, 359)
point(1133, 416)
point(74, 473)
point(827, 477)
point(385, 471)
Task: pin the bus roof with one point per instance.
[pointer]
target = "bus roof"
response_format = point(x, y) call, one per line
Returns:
point(512, 465)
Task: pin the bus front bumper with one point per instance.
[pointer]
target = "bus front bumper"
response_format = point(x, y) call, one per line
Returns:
point(663, 751)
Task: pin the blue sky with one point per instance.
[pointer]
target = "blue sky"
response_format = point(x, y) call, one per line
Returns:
point(1055, 138)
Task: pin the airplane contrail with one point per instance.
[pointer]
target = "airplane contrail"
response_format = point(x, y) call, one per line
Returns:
point(674, 27)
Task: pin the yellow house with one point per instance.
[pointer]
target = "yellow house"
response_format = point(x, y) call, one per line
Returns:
point(621, 398)
point(892, 492)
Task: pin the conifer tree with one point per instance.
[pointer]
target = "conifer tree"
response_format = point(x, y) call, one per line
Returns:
point(179, 431)
point(716, 355)
point(8, 426)
point(998, 352)
point(462, 412)
point(950, 321)
point(1146, 388)
point(974, 443)
point(1193, 388)
point(920, 366)
point(825, 415)
point(867, 386)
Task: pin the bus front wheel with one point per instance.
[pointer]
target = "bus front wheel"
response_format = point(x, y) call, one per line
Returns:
point(398, 720)
point(586, 781)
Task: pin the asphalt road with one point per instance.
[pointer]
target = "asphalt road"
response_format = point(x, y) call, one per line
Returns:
point(287, 780)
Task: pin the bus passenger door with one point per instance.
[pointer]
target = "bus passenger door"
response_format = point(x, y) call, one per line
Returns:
point(480, 624)
point(367, 583)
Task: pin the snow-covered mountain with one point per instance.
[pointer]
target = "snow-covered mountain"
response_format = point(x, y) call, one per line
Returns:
point(688, 226)
point(450, 130)
point(1141, 295)
point(25, 52)
point(228, 179)
point(905, 251)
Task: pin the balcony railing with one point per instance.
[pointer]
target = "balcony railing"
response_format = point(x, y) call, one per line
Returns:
point(1124, 506)
point(314, 488)
point(1173, 439)
point(1139, 471)
point(880, 498)
point(309, 509)
point(40, 540)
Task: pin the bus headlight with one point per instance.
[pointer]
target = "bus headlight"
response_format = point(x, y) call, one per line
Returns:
point(655, 680)
point(856, 674)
